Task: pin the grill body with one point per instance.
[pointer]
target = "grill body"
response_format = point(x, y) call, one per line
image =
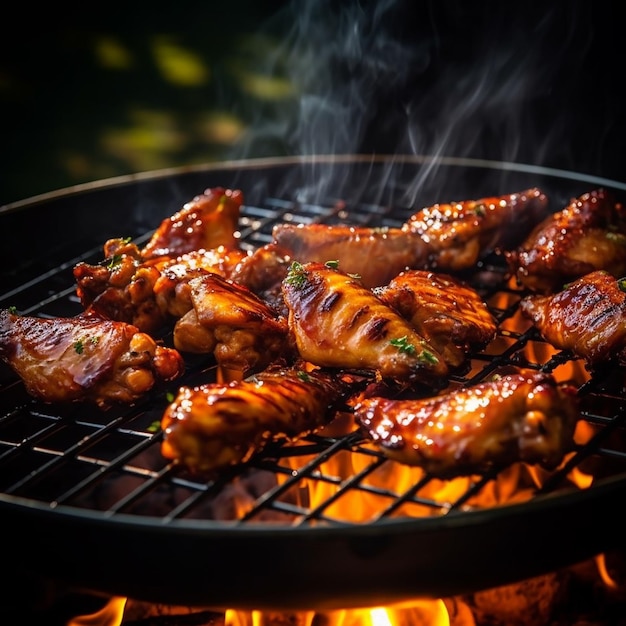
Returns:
point(93, 505)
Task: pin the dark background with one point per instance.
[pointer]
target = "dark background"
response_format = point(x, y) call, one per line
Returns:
point(132, 88)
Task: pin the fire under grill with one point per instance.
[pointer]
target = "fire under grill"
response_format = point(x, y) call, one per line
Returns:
point(323, 521)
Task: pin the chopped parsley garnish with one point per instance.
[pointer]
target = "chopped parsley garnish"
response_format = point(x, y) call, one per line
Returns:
point(403, 345)
point(12, 310)
point(115, 260)
point(621, 283)
point(296, 276)
point(79, 344)
point(480, 210)
point(427, 355)
point(303, 376)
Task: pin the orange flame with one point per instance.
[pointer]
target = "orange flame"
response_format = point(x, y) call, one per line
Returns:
point(109, 615)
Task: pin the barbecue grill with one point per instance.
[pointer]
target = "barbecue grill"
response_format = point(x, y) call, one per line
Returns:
point(319, 523)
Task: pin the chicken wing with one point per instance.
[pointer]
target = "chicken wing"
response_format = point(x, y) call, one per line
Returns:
point(171, 288)
point(148, 294)
point(234, 324)
point(375, 254)
point(589, 234)
point(517, 417)
point(337, 322)
point(84, 358)
point(588, 317)
point(215, 425)
point(208, 221)
point(446, 237)
point(450, 314)
point(121, 287)
point(458, 234)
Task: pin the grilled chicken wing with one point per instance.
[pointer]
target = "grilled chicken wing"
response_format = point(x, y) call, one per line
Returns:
point(517, 417)
point(84, 358)
point(459, 233)
point(588, 317)
point(337, 322)
point(447, 312)
point(589, 234)
point(375, 254)
point(208, 221)
point(262, 271)
point(216, 425)
point(171, 288)
point(447, 237)
point(228, 320)
point(148, 294)
point(121, 287)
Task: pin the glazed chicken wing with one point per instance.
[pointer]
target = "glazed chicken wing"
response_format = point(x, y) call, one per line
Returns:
point(589, 234)
point(517, 417)
point(337, 322)
point(458, 234)
point(447, 312)
point(84, 358)
point(447, 237)
point(121, 287)
point(375, 254)
point(215, 425)
point(588, 317)
point(171, 289)
point(228, 320)
point(148, 294)
point(208, 221)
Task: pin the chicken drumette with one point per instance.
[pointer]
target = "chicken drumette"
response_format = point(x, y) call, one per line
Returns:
point(84, 358)
point(446, 311)
point(446, 237)
point(513, 418)
point(337, 322)
point(215, 425)
point(588, 317)
point(588, 234)
point(226, 319)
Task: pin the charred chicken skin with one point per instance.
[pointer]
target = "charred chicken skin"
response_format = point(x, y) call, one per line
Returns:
point(587, 235)
point(517, 417)
point(84, 358)
point(228, 320)
point(458, 234)
point(337, 322)
point(588, 317)
point(215, 425)
point(447, 312)
point(208, 221)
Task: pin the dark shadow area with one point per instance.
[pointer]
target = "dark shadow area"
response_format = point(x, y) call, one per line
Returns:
point(124, 90)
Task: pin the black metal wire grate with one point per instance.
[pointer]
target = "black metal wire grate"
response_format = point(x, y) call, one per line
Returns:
point(109, 462)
